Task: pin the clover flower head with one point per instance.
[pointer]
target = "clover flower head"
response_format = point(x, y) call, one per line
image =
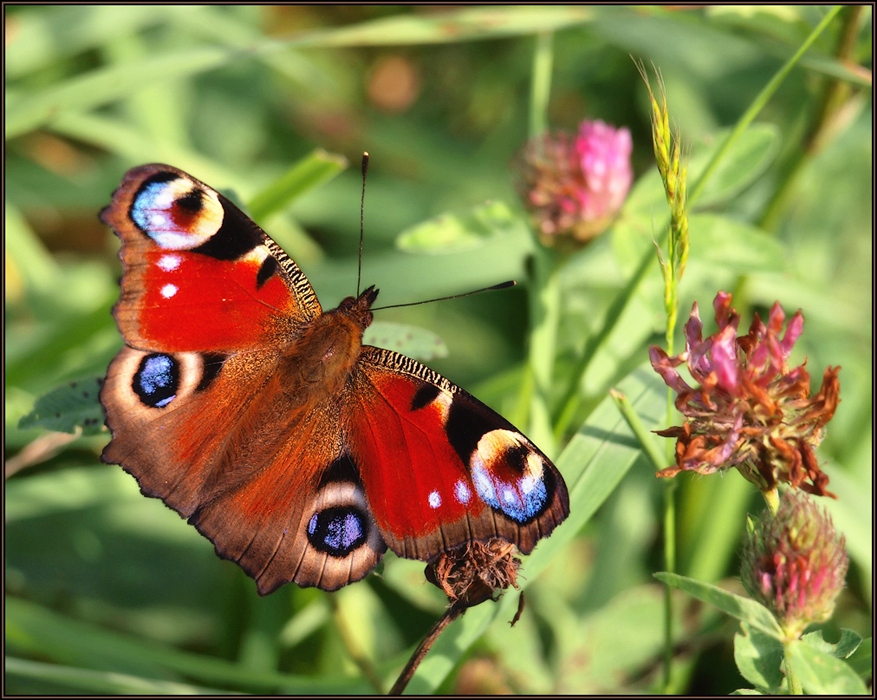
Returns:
point(794, 563)
point(574, 186)
point(749, 410)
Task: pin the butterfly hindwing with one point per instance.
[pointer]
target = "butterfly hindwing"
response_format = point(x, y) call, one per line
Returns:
point(440, 468)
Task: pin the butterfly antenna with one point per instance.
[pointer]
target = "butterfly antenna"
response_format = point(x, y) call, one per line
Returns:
point(501, 285)
point(361, 220)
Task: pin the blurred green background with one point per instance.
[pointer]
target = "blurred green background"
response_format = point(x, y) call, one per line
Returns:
point(109, 592)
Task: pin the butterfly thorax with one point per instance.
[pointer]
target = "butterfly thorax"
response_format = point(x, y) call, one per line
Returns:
point(325, 354)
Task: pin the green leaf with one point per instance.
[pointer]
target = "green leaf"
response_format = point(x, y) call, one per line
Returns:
point(862, 659)
point(821, 673)
point(26, 254)
point(40, 38)
point(618, 639)
point(849, 642)
point(418, 342)
point(735, 246)
point(451, 233)
point(67, 407)
point(67, 490)
point(737, 606)
point(28, 111)
point(759, 658)
point(747, 159)
point(312, 171)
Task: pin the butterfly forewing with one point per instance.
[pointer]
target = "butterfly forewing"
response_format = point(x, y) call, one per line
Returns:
point(199, 275)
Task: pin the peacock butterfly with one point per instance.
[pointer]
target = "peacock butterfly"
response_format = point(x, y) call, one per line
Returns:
point(301, 453)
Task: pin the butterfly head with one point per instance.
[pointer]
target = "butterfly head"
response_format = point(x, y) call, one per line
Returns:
point(357, 308)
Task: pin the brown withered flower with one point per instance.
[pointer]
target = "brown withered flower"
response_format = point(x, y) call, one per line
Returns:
point(468, 575)
point(471, 573)
point(750, 410)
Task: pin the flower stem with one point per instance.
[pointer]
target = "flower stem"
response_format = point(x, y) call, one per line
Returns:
point(643, 436)
point(544, 319)
point(793, 680)
point(772, 499)
point(451, 614)
point(544, 290)
point(540, 88)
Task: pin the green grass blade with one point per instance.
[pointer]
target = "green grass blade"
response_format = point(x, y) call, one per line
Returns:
point(27, 112)
point(310, 172)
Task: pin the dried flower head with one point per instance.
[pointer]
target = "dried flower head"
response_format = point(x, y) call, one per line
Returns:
point(575, 185)
point(794, 562)
point(750, 411)
point(471, 573)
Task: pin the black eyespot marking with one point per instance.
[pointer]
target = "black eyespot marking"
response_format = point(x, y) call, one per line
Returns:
point(342, 469)
point(192, 201)
point(237, 236)
point(266, 271)
point(213, 362)
point(517, 458)
point(465, 427)
point(157, 380)
point(338, 531)
point(163, 176)
point(424, 396)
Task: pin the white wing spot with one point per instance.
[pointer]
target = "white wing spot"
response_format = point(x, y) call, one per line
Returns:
point(169, 262)
point(435, 500)
point(462, 492)
point(168, 290)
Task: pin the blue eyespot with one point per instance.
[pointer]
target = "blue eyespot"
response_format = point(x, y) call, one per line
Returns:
point(522, 499)
point(338, 531)
point(157, 380)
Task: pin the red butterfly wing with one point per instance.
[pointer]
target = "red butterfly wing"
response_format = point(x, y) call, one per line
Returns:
point(439, 467)
point(199, 275)
point(216, 405)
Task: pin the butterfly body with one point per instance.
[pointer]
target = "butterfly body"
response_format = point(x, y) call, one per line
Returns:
point(301, 453)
